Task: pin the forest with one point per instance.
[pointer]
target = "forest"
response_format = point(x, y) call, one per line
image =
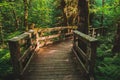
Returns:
point(17, 16)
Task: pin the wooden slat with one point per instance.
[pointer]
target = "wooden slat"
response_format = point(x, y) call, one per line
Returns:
point(81, 52)
point(28, 62)
point(89, 55)
point(48, 37)
point(80, 61)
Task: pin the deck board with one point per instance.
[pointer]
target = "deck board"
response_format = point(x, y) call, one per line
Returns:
point(54, 62)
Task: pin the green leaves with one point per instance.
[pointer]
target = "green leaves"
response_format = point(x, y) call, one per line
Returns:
point(42, 12)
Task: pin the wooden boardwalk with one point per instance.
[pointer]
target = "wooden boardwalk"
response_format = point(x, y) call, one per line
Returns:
point(54, 62)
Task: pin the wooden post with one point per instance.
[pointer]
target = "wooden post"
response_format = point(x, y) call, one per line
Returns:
point(92, 56)
point(15, 55)
point(60, 35)
point(74, 41)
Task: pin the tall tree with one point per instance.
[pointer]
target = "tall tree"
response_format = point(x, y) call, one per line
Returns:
point(1, 35)
point(26, 14)
point(63, 4)
point(102, 17)
point(83, 22)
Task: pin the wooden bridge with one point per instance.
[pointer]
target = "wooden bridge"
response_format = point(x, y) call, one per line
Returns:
point(60, 53)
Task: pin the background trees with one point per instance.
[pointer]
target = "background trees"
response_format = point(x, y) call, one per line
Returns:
point(17, 15)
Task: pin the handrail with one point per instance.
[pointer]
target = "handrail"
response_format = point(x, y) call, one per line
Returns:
point(84, 47)
point(23, 47)
point(22, 50)
point(51, 35)
point(94, 32)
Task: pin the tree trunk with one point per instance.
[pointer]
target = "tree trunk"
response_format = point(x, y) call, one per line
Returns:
point(1, 35)
point(63, 4)
point(26, 14)
point(116, 46)
point(16, 20)
point(102, 17)
point(83, 21)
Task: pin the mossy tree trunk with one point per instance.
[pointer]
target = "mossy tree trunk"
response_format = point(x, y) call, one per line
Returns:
point(63, 4)
point(26, 14)
point(1, 35)
point(16, 19)
point(83, 21)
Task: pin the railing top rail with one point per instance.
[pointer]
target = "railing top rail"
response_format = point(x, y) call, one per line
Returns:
point(85, 37)
point(56, 28)
point(20, 37)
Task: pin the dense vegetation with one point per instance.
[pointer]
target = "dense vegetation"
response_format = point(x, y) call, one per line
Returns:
point(52, 13)
point(107, 66)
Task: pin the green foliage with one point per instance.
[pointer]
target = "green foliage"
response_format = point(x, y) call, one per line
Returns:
point(43, 12)
point(5, 64)
point(110, 11)
point(107, 67)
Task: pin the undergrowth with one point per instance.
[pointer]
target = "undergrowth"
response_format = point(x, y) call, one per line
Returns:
point(5, 62)
point(107, 66)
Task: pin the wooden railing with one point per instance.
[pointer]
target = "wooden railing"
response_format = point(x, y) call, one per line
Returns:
point(23, 47)
point(51, 35)
point(95, 32)
point(84, 47)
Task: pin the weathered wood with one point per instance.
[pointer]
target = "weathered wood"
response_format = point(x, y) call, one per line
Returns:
point(84, 37)
point(55, 34)
point(20, 57)
point(86, 70)
point(54, 62)
point(23, 47)
point(92, 57)
point(15, 55)
point(94, 32)
point(86, 58)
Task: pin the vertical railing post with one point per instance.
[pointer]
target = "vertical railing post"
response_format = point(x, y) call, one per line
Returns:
point(92, 55)
point(60, 35)
point(15, 55)
point(74, 41)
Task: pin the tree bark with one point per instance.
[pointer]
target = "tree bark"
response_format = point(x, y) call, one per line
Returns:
point(63, 4)
point(16, 20)
point(1, 35)
point(83, 22)
point(26, 14)
point(102, 17)
point(116, 46)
